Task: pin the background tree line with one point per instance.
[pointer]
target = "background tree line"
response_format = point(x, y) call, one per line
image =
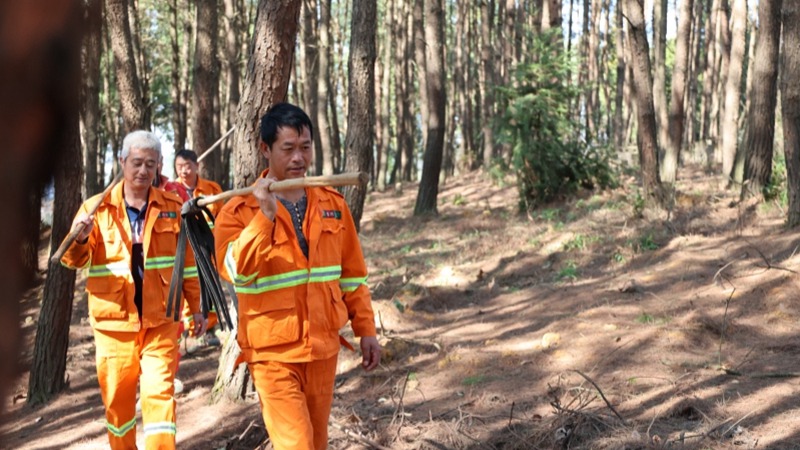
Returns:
point(560, 92)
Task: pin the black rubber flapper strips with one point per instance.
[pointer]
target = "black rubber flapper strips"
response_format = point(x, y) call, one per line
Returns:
point(195, 229)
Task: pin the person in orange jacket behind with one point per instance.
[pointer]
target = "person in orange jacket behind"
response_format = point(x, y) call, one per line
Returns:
point(129, 246)
point(187, 170)
point(296, 263)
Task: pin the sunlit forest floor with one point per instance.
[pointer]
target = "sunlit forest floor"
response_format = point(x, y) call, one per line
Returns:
point(588, 324)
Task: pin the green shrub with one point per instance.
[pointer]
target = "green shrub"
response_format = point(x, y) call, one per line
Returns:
point(550, 154)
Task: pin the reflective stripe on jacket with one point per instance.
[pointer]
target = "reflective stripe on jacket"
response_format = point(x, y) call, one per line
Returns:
point(107, 255)
point(292, 308)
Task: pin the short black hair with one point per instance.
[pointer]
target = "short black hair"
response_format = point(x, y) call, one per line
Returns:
point(186, 154)
point(283, 115)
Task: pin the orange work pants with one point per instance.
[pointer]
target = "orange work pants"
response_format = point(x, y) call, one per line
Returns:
point(296, 401)
point(148, 357)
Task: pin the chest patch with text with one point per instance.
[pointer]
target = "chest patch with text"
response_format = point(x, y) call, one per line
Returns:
point(331, 214)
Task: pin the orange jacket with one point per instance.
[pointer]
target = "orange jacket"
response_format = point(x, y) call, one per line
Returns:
point(107, 254)
point(292, 308)
point(206, 188)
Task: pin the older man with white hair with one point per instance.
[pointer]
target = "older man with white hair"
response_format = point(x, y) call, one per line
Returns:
point(128, 246)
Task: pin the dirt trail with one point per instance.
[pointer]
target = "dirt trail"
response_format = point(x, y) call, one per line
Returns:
point(589, 324)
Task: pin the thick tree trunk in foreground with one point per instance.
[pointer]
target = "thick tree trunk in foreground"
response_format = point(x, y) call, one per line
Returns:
point(266, 82)
point(52, 331)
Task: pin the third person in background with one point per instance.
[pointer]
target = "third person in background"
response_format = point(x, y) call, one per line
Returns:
point(187, 173)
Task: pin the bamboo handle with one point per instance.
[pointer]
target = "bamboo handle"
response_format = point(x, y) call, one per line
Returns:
point(70, 238)
point(342, 179)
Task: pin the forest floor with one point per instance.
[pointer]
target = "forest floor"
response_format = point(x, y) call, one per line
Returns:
point(589, 324)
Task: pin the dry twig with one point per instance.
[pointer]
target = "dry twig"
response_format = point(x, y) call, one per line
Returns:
point(355, 436)
point(600, 391)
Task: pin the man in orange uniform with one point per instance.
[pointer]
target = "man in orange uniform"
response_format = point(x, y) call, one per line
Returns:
point(187, 169)
point(129, 247)
point(296, 262)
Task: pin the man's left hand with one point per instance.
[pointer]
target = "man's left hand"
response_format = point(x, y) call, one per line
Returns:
point(370, 352)
point(200, 324)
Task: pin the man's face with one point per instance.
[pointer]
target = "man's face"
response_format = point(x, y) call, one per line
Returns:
point(186, 169)
point(140, 167)
point(290, 154)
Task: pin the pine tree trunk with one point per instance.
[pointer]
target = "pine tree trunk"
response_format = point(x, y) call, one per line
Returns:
point(729, 126)
point(361, 94)
point(677, 113)
point(400, 89)
point(434, 146)
point(386, 100)
point(232, 25)
point(660, 72)
point(266, 82)
point(323, 86)
point(420, 73)
point(761, 117)
point(648, 149)
point(91, 118)
point(176, 92)
point(790, 98)
point(52, 331)
point(710, 73)
point(128, 84)
point(619, 94)
point(487, 83)
point(205, 86)
point(309, 68)
point(723, 67)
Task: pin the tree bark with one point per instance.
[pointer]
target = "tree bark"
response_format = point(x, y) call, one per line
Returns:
point(761, 117)
point(434, 146)
point(647, 140)
point(677, 114)
point(361, 104)
point(91, 119)
point(619, 95)
point(729, 126)
point(309, 67)
point(205, 86)
point(790, 98)
point(722, 67)
point(128, 83)
point(419, 65)
point(323, 86)
point(382, 153)
point(710, 74)
point(232, 28)
point(52, 331)
point(266, 82)
point(176, 91)
point(487, 83)
point(660, 72)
